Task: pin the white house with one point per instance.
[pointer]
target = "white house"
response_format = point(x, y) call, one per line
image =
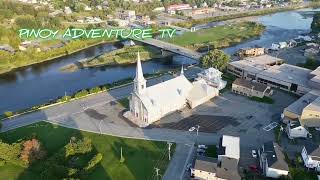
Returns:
point(213, 77)
point(207, 168)
point(229, 146)
point(149, 104)
point(272, 160)
point(295, 130)
point(311, 156)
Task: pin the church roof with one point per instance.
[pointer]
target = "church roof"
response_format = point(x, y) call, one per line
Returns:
point(167, 95)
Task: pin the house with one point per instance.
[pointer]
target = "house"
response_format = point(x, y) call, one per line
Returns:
point(149, 104)
point(272, 160)
point(207, 168)
point(283, 45)
point(251, 51)
point(275, 47)
point(67, 10)
point(213, 77)
point(127, 15)
point(251, 88)
point(177, 7)
point(229, 146)
point(311, 156)
point(295, 130)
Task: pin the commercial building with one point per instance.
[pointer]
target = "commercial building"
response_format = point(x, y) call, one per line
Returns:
point(272, 160)
point(269, 70)
point(177, 7)
point(251, 88)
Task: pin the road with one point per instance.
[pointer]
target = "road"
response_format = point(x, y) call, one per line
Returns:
point(172, 48)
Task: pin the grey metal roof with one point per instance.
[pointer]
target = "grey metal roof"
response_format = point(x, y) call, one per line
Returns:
point(312, 149)
point(275, 158)
point(250, 84)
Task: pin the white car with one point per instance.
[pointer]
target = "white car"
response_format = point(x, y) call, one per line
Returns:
point(192, 129)
point(254, 153)
point(201, 146)
point(201, 150)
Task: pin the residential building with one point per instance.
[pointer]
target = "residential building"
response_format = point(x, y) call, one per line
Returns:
point(197, 11)
point(207, 168)
point(311, 156)
point(251, 51)
point(177, 7)
point(149, 104)
point(7, 48)
point(67, 10)
point(213, 77)
point(251, 88)
point(229, 146)
point(128, 15)
point(272, 160)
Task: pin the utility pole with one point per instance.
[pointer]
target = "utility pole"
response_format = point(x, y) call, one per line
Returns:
point(157, 172)
point(169, 148)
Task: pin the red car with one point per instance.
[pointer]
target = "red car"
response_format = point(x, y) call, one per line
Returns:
point(254, 168)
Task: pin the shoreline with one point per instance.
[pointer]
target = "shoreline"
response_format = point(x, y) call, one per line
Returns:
point(56, 57)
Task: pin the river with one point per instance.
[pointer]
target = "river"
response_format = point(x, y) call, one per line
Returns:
point(41, 83)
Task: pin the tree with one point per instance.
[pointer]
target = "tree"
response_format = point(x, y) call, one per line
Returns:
point(215, 58)
point(32, 151)
point(315, 25)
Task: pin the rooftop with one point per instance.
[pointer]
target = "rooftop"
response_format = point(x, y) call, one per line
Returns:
point(313, 150)
point(207, 164)
point(298, 106)
point(314, 105)
point(228, 169)
point(230, 146)
point(256, 64)
point(250, 84)
point(274, 156)
point(288, 73)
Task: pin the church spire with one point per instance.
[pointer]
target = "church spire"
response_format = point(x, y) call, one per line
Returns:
point(182, 71)
point(139, 73)
point(139, 81)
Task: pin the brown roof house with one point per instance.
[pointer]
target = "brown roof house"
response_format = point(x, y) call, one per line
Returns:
point(251, 88)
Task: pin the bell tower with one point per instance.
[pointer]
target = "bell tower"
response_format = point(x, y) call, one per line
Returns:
point(139, 81)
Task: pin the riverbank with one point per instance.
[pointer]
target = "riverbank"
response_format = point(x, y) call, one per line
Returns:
point(194, 22)
point(81, 94)
point(123, 56)
point(12, 62)
point(218, 37)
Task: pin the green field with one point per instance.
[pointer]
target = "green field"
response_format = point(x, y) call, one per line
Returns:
point(218, 37)
point(140, 156)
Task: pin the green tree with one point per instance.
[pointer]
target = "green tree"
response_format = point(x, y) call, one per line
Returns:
point(215, 58)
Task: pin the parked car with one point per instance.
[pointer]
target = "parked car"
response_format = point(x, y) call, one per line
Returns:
point(188, 167)
point(254, 153)
point(254, 168)
point(201, 150)
point(192, 129)
point(201, 146)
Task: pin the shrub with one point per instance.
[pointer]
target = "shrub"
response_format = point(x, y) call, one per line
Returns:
point(94, 90)
point(64, 99)
point(8, 113)
point(2, 162)
point(79, 147)
point(72, 171)
point(94, 161)
point(11, 153)
point(81, 93)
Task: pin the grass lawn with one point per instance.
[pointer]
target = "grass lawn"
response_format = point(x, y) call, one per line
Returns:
point(265, 99)
point(218, 37)
point(124, 102)
point(212, 151)
point(299, 173)
point(140, 156)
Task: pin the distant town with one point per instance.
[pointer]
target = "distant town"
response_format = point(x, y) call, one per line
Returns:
point(160, 89)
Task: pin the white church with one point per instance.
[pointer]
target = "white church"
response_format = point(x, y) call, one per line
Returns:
point(149, 104)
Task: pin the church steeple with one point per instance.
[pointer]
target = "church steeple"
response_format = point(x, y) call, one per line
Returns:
point(182, 71)
point(139, 81)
